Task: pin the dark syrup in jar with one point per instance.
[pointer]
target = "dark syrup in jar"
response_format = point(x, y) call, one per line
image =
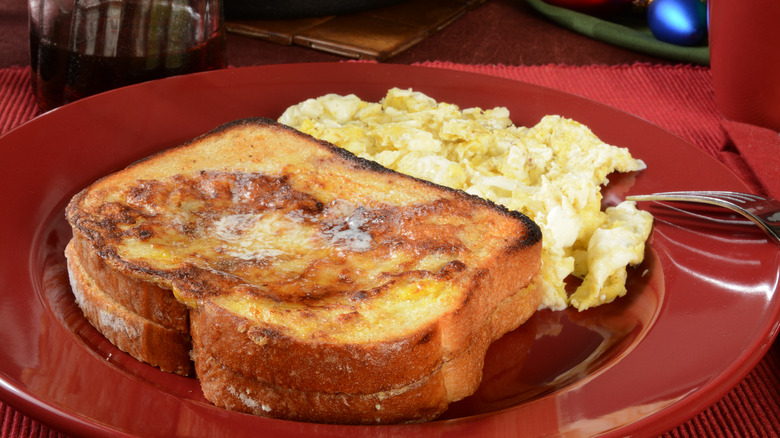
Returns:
point(61, 76)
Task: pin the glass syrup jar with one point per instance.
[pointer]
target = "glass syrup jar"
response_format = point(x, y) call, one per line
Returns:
point(82, 47)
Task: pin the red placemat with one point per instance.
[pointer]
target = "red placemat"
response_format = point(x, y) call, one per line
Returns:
point(678, 98)
point(17, 103)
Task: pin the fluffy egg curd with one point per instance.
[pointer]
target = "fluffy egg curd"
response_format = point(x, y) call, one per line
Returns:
point(552, 172)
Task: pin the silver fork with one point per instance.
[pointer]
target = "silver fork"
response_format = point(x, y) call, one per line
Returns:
point(765, 212)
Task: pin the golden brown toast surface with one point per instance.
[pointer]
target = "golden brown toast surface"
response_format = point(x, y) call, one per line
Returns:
point(286, 249)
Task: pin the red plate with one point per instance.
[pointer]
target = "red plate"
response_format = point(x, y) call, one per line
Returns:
point(699, 316)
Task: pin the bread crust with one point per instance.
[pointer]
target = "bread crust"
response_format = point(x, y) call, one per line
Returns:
point(419, 401)
point(141, 297)
point(432, 238)
point(463, 372)
point(270, 356)
point(243, 389)
point(146, 340)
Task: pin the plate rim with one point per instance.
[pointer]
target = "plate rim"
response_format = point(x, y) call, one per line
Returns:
point(29, 404)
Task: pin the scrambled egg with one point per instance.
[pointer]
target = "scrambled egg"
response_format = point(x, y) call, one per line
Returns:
point(552, 172)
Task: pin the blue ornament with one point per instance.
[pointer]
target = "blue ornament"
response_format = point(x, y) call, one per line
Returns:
point(680, 22)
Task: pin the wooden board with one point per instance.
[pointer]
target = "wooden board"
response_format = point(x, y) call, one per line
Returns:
point(377, 34)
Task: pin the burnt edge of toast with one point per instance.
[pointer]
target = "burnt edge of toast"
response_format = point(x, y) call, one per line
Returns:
point(533, 232)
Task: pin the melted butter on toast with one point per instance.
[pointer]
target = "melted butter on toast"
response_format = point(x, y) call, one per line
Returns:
point(359, 265)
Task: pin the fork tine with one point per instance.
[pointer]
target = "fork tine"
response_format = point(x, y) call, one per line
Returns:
point(711, 193)
point(753, 207)
point(732, 196)
point(698, 195)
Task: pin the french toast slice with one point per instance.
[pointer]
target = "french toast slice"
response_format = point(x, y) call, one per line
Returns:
point(427, 397)
point(307, 274)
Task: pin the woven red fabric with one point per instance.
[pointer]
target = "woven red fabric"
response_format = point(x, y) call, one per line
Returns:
point(678, 98)
point(17, 103)
point(759, 147)
point(16, 425)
